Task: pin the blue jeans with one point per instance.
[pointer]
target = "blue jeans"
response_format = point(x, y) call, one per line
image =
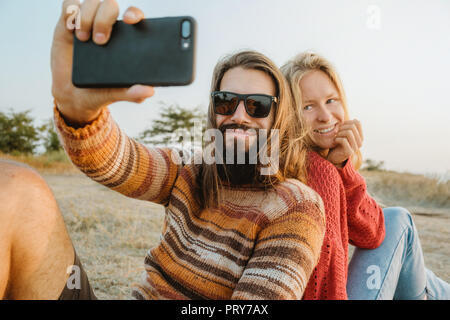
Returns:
point(396, 269)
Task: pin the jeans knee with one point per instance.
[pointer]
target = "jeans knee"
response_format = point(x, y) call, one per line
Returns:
point(398, 216)
point(399, 220)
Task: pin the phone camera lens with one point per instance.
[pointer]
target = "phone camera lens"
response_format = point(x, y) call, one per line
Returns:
point(186, 29)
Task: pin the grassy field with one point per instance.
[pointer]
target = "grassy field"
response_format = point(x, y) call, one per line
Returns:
point(54, 162)
point(112, 233)
point(420, 194)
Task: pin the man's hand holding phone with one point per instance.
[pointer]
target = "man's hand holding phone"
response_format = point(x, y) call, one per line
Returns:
point(349, 140)
point(81, 106)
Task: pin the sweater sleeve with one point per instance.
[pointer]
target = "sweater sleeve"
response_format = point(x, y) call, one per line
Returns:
point(325, 180)
point(364, 216)
point(104, 153)
point(285, 254)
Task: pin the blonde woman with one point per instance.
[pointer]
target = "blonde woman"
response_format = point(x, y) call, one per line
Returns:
point(388, 260)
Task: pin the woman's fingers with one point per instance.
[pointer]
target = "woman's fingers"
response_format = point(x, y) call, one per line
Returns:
point(352, 133)
point(106, 17)
point(355, 127)
point(133, 15)
point(88, 11)
point(340, 153)
point(344, 143)
point(348, 140)
point(350, 137)
point(359, 127)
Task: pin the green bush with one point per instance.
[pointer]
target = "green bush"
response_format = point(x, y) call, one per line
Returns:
point(50, 137)
point(19, 135)
point(171, 118)
point(372, 165)
point(17, 132)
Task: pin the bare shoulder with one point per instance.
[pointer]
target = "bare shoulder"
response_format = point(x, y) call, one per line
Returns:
point(14, 173)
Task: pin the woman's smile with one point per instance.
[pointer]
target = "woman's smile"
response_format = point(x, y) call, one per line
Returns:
point(329, 130)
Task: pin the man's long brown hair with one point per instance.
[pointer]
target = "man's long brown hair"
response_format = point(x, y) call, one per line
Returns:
point(287, 120)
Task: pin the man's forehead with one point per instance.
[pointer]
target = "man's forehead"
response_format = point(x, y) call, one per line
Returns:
point(243, 81)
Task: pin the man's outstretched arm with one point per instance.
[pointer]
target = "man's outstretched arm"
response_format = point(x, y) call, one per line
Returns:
point(91, 138)
point(107, 155)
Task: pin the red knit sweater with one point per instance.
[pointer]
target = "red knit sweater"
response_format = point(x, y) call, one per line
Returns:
point(352, 216)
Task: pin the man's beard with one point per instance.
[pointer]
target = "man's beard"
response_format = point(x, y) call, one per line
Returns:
point(238, 173)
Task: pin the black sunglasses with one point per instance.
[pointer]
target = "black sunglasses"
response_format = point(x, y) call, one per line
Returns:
point(257, 105)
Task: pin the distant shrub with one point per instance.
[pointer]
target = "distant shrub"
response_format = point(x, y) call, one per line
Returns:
point(172, 118)
point(17, 133)
point(407, 189)
point(49, 137)
point(373, 165)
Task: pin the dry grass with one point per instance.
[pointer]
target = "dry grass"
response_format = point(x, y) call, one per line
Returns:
point(112, 233)
point(54, 162)
point(418, 193)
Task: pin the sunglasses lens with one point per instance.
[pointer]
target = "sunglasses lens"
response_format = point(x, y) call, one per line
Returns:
point(259, 106)
point(225, 103)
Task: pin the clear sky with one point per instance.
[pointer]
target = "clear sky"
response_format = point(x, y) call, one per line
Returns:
point(393, 57)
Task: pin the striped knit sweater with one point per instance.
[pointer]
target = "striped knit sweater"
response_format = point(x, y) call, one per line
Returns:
point(259, 244)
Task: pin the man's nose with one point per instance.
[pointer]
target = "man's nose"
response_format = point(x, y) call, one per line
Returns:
point(240, 115)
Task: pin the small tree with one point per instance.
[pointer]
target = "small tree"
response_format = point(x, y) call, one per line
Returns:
point(171, 119)
point(17, 132)
point(372, 165)
point(49, 136)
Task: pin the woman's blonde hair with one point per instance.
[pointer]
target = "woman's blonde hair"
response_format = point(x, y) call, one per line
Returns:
point(287, 120)
point(295, 69)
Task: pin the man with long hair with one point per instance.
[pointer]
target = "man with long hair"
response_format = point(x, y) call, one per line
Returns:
point(231, 231)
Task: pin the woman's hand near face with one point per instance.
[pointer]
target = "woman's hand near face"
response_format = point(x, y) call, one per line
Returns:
point(348, 141)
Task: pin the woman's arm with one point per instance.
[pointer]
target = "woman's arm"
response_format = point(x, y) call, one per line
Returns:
point(365, 217)
point(107, 155)
point(285, 254)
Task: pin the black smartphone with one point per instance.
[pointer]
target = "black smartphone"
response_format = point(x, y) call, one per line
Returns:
point(156, 52)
